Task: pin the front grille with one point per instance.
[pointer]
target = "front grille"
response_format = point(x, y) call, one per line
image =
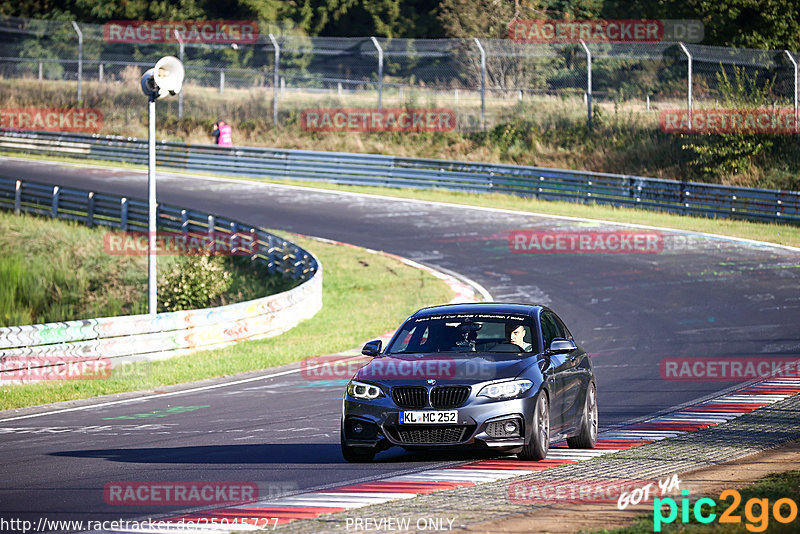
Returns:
point(449, 396)
point(413, 435)
point(410, 397)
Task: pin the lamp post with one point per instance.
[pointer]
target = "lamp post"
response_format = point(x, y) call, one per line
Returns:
point(166, 78)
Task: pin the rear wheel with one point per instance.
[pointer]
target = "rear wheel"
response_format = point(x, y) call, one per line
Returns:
point(536, 449)
point(587, 436)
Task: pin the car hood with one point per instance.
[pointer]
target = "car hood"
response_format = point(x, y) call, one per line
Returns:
point(463, 367)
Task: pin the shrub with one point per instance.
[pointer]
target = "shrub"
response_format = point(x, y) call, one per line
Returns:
point(193, 283)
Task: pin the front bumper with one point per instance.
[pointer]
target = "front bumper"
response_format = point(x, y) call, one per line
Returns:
point(480, 424)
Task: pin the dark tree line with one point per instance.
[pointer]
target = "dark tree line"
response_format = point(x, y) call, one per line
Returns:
point(771, 24)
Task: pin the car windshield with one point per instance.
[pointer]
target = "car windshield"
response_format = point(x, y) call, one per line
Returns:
point(465, 333)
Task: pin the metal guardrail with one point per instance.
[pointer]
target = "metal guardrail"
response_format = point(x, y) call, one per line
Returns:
point(134, 337)
point(380, 170)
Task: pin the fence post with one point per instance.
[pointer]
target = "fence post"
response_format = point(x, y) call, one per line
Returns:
point(689, 94)
point(221, 81)
point(380, 72)
point(483, 83)
point(180, 56)
point(17, 197)
point(40, 71)
point(100, 72)
point(794, 63)
point(275, 80)
point(588, 84)
point(90, 210)
point(80, 58)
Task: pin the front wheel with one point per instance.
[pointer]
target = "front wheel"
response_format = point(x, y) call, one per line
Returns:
point(587, 436)
point(357, 454)
point(536, 449)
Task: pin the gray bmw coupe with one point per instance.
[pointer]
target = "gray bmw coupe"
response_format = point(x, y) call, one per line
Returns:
point(503, 376)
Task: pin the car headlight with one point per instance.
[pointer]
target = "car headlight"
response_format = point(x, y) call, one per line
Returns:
point(506, 390)
point(360, 390)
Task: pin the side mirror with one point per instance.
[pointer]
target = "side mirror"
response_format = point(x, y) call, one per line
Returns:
point(372, 348)
point(562, 346)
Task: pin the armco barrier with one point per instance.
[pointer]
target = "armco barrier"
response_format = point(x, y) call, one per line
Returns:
point(165, 334)
point(371, 169)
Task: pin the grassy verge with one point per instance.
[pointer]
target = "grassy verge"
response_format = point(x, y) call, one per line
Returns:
point(364, 295)
point(772, 488)
point(542, 130)
point(782, 234)
point(54, 270)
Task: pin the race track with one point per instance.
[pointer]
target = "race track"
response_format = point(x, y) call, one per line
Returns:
point(699, 296)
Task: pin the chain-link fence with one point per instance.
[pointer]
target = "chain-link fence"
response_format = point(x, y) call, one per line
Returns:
point(484, 82)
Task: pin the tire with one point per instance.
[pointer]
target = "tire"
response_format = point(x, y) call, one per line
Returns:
point(536, 449)
point(587, 436)
point(357, 455)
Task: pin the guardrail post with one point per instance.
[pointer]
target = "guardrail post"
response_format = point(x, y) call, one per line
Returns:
point(17, 197)
point(483, 83)
point(380, 71)
point(54, 211)
point(794, 63)
point(212, 238)
point(232, 248)
point(90, 210)
point(689, 92)
point(589, 85)
point(184, 222)
point(80, 58)
point(123, 214)
point(275, 80)
point(253, 241)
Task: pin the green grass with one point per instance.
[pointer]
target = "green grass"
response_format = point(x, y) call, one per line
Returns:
point(364, 295)
point(55, 270)
point(772, 487)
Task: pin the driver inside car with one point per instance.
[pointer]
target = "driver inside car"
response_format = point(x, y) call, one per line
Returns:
point(515, 334)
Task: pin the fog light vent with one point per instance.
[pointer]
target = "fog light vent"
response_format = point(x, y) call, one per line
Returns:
point(507, 428)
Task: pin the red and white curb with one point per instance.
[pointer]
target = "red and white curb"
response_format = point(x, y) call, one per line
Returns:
point(265, 514)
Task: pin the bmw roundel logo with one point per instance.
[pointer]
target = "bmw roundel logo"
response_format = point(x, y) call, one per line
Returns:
point(431, 382)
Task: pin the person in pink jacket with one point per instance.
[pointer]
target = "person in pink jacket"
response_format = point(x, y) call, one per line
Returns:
point(222, 134)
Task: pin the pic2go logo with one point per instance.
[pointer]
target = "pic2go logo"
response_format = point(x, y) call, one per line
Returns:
point(756, 511)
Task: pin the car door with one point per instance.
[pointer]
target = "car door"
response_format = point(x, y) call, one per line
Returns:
point(574, 378)
point(555, 373)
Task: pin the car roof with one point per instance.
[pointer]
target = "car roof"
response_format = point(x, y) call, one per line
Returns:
point(482, 307)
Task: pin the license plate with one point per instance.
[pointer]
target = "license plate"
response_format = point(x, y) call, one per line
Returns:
point(429, 417)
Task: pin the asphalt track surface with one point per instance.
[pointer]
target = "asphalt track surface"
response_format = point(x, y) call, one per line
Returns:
point(698, 297)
